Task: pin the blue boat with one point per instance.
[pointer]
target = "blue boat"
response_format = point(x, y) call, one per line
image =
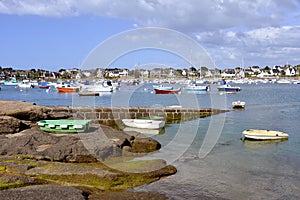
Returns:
point(11, 82)
point(229, 89)
point(44, 85)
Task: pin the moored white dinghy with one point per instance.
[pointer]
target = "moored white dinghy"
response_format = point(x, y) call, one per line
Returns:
point(144, 123)
point(254, 134)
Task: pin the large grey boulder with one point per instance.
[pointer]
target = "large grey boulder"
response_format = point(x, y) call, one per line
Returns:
point(10, 125)
point(95, 145)
point(43, 192)
point(46, 146)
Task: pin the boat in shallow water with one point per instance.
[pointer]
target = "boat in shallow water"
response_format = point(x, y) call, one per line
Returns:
point(238, 104)
point(64, 126)
point(162, 87)
point(25, 84)
point(254, 134)
point(44, 85)
point(11, 82)
point(144, 123)
point(67, 89)
point(88, 93)
point(229, 89)
point(163, 91)
point(197, 87)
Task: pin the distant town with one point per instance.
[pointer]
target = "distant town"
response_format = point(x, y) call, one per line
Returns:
point(116, 73)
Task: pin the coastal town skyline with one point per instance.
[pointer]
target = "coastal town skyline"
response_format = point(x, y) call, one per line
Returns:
point(52, 35)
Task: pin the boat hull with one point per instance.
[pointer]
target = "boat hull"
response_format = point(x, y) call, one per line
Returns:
point(158, 91)
point(229, 89)
point(67, 89)
point(64, 126)
point(88, 93)
point(144, 123)
point(253, 134)
point(197, 88)
point(44, 87)
point(238, 104)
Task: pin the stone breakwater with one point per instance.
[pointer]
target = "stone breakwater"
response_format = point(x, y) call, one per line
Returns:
point(112, 116)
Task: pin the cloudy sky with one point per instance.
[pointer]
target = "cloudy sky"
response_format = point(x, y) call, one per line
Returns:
point(56, 34)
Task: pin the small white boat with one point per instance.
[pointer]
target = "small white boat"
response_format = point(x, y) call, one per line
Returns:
point(162, 87)
point(254, 134)
point(197, 87)
point(144, 123)
point(238, 104)
point(284, 81)
point(25, 84)
point(100, 86)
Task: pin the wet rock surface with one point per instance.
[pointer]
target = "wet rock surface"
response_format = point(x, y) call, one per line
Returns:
point(43, 192)
point(81, 148)
point(31, 160)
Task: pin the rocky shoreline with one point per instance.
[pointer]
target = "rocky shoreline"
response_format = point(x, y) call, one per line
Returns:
point(38, 165)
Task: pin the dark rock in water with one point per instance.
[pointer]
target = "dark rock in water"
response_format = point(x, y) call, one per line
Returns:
point(10, 125)
point(43, 192)
point(144, 145)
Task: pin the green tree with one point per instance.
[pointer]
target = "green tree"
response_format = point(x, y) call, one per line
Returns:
point(179, 72)
point(193, 69)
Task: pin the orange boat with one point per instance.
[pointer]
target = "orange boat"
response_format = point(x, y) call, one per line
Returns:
point(67, 89)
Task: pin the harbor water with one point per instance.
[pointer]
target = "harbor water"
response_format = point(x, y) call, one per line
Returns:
point(233, 169)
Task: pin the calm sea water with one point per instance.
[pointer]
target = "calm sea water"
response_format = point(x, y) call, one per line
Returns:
point(233, 169)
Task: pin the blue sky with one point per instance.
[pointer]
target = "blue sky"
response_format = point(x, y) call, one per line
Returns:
point(54, 34)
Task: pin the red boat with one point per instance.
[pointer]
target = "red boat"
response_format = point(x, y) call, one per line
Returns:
point(67, 89)
point(44, 86)
point(175, 91)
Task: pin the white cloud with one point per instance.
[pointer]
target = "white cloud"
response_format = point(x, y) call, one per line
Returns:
point(263, 46)
point(188, 15)
point(52, 8)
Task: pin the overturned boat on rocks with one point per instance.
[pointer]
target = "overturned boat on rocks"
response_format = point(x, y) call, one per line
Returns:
point(64, 126)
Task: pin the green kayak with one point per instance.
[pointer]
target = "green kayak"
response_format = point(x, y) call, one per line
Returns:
point(64, 126)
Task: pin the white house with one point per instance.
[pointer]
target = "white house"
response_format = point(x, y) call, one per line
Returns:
point(228, 73)
point(124, 73)
point(290, 71)
point(255, 69)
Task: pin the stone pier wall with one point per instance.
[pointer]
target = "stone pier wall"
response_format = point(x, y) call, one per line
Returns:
point(113, 115)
